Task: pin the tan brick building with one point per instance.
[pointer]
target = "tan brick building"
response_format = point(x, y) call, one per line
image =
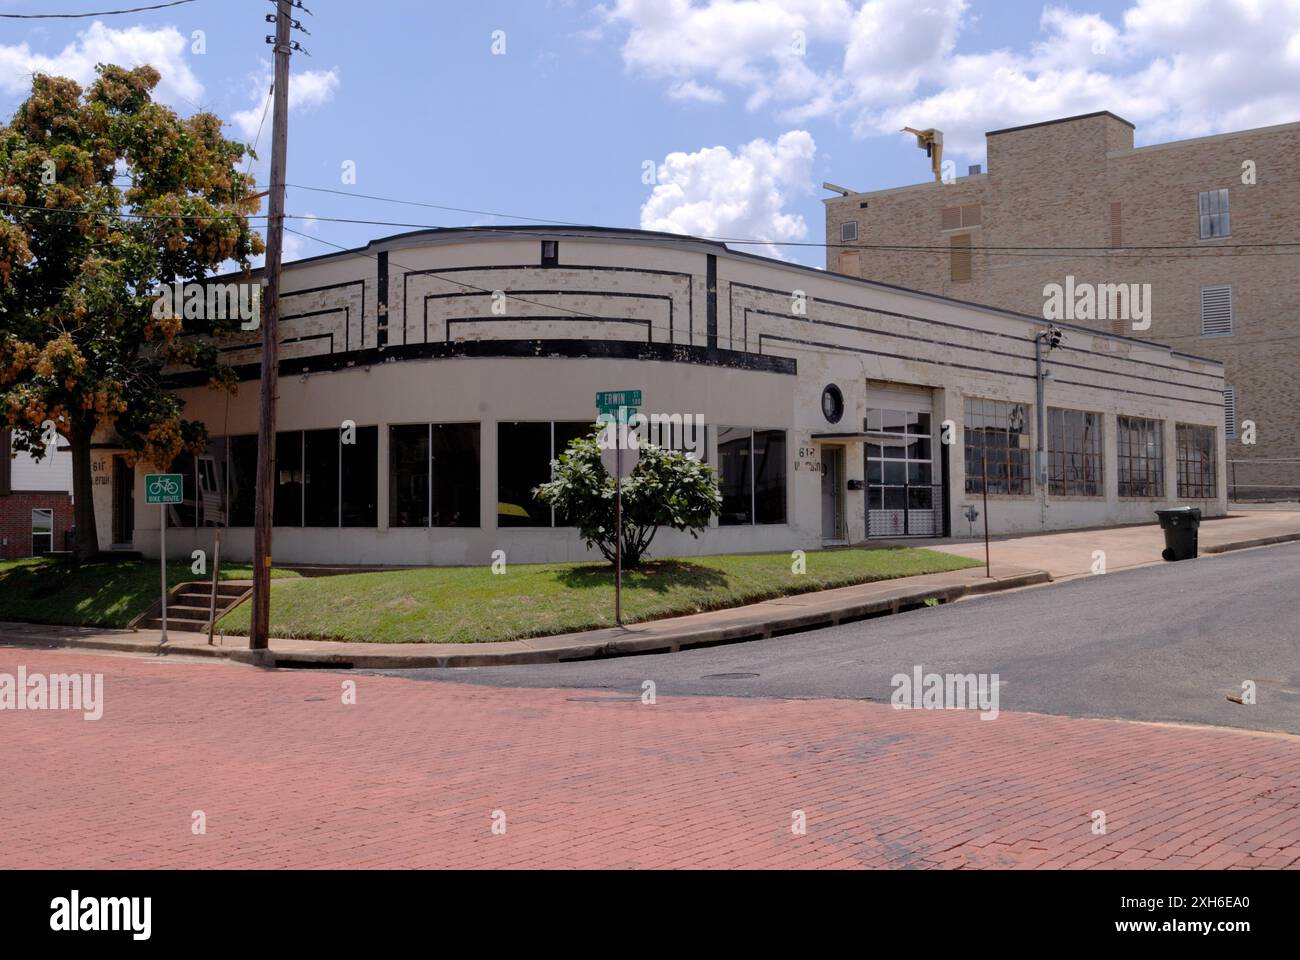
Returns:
point(1223, 211)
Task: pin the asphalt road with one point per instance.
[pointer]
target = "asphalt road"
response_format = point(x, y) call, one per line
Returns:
point(1164, 643)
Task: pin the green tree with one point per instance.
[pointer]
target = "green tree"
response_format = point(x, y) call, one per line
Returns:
point(667, 489)
point(104, 195)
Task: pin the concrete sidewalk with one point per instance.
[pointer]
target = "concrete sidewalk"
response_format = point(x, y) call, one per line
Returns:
point(823, 608)
point(1070, 554)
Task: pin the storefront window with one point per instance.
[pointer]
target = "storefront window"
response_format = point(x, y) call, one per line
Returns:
point(751, 476)
point(997, 437)
point(1074, 453)
point(1140, 457)
point(1197, 469)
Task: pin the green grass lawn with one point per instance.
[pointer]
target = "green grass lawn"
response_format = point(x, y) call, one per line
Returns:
point(470, 604)
point(108, 594)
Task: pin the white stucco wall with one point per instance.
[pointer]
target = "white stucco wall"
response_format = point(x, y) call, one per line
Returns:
point(628, 289)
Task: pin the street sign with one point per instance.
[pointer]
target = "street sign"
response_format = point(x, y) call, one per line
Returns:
point(608, 401)
point(162, 488)
point(620, 414)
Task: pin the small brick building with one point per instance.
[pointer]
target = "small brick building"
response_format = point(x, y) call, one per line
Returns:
point(35, 501)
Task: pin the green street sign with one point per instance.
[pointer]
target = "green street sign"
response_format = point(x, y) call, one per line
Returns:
point(608, 401)
point(163, 488)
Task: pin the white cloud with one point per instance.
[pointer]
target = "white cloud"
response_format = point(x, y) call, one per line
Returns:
point(163, 48)
point(755, 45)
point(716, 193)
point(690, 90)
point(307, 89)
point(1176, 68)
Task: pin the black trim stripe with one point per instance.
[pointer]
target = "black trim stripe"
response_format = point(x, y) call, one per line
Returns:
point(984, 350)
point(994, 333)
point(521, 349)
point(967, 366)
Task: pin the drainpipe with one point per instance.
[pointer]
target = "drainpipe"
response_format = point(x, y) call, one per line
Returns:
point(1052, 338)
point(1041, 466)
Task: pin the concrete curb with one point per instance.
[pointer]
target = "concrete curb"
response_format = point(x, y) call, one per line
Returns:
point(626, 641)
point(1248, 544)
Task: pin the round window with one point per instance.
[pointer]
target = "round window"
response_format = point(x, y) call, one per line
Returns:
point(832, 404)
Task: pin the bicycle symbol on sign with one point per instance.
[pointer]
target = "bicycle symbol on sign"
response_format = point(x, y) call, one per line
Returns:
point(163, 486)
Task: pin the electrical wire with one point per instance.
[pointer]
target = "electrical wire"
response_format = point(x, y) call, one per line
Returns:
point(101, 13)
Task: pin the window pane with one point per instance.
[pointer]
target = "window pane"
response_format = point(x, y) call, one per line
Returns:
point(360, 469)
point(523, 463)
point(243, 480)
point(288, 480)
point(212, 484)
point(769, 476)
point(895, 421)
point(1140, 457)
point(566, 431)
point(734, 479)
point(408, 475)
point(184, 514)
point(456, 468)
point(997, 432)
point(321, 478)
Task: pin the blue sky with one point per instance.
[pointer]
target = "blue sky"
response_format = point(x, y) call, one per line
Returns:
point(741, 108)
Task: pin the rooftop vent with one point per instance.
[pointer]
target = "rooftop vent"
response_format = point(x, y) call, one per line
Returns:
point(974, 170)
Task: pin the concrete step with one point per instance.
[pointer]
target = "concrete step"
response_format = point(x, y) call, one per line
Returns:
point(175, 623)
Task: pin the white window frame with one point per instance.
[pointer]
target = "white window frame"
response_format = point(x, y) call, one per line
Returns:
point(844, 231)
point(1214, 217)
point(46, 511)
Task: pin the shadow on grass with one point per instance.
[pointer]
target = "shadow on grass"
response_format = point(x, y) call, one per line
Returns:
point(658, 576)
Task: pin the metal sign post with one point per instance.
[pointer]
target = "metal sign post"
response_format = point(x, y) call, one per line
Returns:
point(618, 528)
point(984, 469)
point(620, 404)
point(162, 489)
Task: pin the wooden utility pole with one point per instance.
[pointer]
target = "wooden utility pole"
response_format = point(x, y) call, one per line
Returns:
point(259, 633)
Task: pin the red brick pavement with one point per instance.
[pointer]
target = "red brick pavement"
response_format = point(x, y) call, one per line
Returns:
point(287, 775)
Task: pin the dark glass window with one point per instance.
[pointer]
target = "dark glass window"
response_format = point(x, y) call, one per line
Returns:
point(997, 433)
point(769, 476)
point(735, 476)
point(243, 480)
point(359, 475)
point(566, 431)
point(184, 514)
point(211, 474)
point(408, 475)
point(1074, 453)
point(523, 463)
point(1139, 449)
point(1197, 470)
point(320, 478)
point(288, 479)
point(456, 474)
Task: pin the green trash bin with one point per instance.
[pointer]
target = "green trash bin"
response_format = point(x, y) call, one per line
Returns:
point(1180, 525)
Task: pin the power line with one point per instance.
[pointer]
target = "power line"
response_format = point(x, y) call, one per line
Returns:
point(751, 241)
point(101, 13)
point(1102, 253)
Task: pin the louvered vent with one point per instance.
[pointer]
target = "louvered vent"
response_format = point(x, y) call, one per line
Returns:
point(1216, 311)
